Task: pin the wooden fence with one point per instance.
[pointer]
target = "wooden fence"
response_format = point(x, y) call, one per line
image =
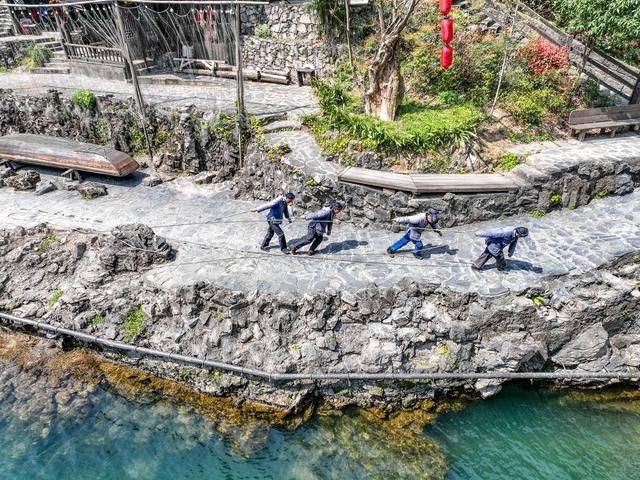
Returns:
point(94, 54)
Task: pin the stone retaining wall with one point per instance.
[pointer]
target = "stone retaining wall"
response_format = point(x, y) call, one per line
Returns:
point(568, 186)
point(184, 140)
point(588, 322)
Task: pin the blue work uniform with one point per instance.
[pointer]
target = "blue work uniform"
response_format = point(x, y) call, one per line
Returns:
point(416, 224)
point(495, 241)
point(321, 222)
point(278, 209)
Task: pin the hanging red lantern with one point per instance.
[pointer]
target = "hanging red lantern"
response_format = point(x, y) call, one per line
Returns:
point(446, 30)
point(446, 57)
point(445, 7)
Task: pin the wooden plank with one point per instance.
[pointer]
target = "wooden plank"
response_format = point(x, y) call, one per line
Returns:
point(62, 153)
point(376, 178)
point(619, 123)
point(429, 183)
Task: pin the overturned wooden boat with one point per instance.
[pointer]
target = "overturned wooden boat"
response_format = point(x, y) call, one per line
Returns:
point(72, 156)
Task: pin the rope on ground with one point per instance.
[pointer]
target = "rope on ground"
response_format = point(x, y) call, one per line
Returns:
point(15, 321)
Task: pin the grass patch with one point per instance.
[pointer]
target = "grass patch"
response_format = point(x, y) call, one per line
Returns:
point(223, 126)
point(537, 214)
point(418, 128)
point(96, 319)
point(602, 193)
point(102, 131)
point(53, 299)
point(443, 349)
point(263, 31)
point(538, 300)
point(278, 151)
point(134, 324)
point(137, 142)
point(509, 161)
point(46, 243)
point(84, 100)
point(555, 200)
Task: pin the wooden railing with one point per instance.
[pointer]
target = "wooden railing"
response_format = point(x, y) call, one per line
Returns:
point(94, 53)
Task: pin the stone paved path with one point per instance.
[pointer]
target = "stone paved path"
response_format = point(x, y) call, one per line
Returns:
point(260, 98)
point(305, 155)
point(227, 253)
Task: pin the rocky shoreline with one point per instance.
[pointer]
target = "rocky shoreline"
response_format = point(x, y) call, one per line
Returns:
point(91, 282)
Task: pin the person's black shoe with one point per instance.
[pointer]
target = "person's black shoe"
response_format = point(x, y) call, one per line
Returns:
point(264, 249)
point(390, 252)
point(418, 256)
point(311, 253)
point(294, 251)
point(475, 267)
point(286, 251)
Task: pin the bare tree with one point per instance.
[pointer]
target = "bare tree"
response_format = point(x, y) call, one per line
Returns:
point(384, 82)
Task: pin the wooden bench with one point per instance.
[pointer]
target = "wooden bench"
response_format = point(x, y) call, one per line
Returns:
point(429, 183)
point(71, 156)
point(613, 118)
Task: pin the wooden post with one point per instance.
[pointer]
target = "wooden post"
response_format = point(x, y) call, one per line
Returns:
point(239, 84)
point(126, 53)
point(635, 96)
point(349, 47)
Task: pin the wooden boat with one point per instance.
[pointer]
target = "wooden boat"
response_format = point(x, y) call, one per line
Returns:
point(67, 154)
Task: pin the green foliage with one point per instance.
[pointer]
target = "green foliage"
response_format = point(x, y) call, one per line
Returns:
point(602, 193)
point(278, 151)
point(537, 214)
point(555, 200)
point(377, 390)
point(509, 161)
point(224, 126)
point(530, 107)
point(443, 349)
point(296, 346)
point(591, 96)
point(55, 297)
point(418, 128)
point(137, 142)
point(538, 300)
point(46, 242)
point(84, 99)
point(102, 131)
point(263, 31)
point(613, 25)
point(529, 136)
point(37, 56)
point(310, 182)
point(331, 15)
point(96, 319)
point(134, 324)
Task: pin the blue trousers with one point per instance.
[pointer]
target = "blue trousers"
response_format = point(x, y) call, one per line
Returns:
point(418, 246)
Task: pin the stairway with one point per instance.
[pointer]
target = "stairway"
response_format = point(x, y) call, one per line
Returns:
point(58, 62)
point(6, 26)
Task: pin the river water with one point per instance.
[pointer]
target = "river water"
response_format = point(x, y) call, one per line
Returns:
point(53, 427)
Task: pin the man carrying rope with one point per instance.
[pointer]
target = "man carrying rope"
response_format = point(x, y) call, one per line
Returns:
point(416, 224)
point(321, 222)
point(277, 209)
point(495, 241)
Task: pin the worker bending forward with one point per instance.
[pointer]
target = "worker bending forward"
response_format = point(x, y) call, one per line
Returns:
point(416, 224)
point(278, 209)
point(495, 241)
point(321, 222)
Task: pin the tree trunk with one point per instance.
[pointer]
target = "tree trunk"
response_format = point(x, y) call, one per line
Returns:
point(384, 90)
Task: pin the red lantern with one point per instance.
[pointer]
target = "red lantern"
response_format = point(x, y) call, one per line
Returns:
point(446, 57)
point(445, 7)
point(446, 30)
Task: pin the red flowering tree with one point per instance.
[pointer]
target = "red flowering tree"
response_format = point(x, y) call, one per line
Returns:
point(542, 56)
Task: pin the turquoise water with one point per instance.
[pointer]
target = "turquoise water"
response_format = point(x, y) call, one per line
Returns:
point(63, 431)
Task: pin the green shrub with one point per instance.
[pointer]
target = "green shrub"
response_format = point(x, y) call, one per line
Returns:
point(224, 126)
point(531, 107)
point(278, 151)
point(96, 319)
point(137, 141)
point(134, 324)
point(555, 200)
point(509, 161)
point(102, 131)
point(46, 242)
point(84, 100)
point(537, 214)
point(263, 31)
point(37, 55)
point(602, 193)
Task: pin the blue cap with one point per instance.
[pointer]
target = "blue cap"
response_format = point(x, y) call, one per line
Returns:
point(289, 196)
point(522, 231)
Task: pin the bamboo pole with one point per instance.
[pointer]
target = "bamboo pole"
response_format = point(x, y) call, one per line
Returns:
point(239, 84)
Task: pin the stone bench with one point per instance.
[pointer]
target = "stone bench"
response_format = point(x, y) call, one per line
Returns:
point(613, 118)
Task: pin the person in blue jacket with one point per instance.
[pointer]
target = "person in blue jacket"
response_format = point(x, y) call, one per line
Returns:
point(416, 224)
point(321, 222)
point(495, 241)
point(278, 209)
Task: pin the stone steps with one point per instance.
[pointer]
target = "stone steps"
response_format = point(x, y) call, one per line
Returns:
point(51, 70)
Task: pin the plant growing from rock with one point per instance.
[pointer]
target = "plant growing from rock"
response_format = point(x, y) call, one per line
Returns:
point(84, 100)
point(46, 242)
point(55, 297)
point(555, 200)
point(509, 161)
point(263, 31)
point(134, 324)
point(96, 319)
point(602, 193)
point(537, 214)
